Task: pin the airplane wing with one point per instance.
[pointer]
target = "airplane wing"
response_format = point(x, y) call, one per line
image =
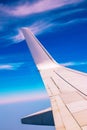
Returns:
point(67, 88)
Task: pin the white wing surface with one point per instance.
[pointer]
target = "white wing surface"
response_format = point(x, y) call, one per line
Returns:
point(67, 88)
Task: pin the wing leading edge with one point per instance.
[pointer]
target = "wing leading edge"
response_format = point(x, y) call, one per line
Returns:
point(67, 88)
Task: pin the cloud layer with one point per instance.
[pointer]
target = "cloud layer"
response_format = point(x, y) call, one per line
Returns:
point(10, 66)
point(74, 63)
point(23, 98)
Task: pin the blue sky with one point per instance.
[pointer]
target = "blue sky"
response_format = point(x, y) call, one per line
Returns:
point(61, 26)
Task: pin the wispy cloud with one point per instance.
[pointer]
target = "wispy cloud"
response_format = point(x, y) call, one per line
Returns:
point(18, 37)
point(6, 67)
point(38, 16)
point(10, 66)
point(74, 63)
point(40, 26)
point(37, 28)
point(38, 7)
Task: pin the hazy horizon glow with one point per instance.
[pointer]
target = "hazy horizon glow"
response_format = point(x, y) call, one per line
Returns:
point(24, 97)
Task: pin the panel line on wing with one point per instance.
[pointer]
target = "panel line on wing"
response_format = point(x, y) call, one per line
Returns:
point(70, 84)
point(55, 83)
point(59, 123)
point(77, 72)
point(69, 121)
point(71, 113)
point(82, 95)
point(50, 93)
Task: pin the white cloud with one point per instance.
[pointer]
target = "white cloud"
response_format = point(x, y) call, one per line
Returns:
point(10, 66)
point(40, 6)
point(74, 63)
point(36, 28)
point(17, 38)
point(40, 26)
point(67, 64)
point(6, 67)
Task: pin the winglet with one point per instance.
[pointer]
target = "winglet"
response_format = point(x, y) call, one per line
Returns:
point(42, 58)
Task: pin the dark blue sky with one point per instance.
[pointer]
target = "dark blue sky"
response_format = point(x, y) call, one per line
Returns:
point(61, 27)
